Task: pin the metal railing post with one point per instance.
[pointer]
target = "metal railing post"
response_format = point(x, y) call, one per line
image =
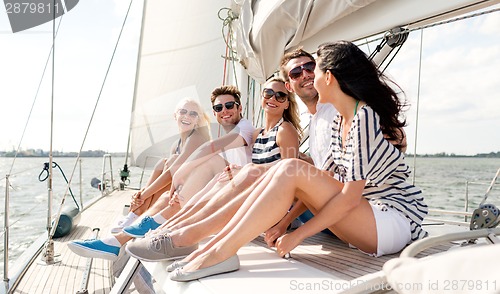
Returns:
point(6, 234)
point(111, 172)
point(103, 177)
point(81, 185)
point(466, 198)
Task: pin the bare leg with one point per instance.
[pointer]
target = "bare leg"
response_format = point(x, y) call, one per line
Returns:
point(151, 203)
point(221, 196)
point(190, 234)
point(199, 178)
point(214, 196)
point(123, 238)
point(195, 203)
point(161, 167)
point(251, 194)
point(219, 210)
point(269, 202)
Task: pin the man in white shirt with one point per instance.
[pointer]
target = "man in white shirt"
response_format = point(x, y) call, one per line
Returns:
point(297, 68)
point(199, 169)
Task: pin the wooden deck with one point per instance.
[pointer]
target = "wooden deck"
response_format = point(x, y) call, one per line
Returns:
point(322, 264)
point(319, 258)
point(67, 275)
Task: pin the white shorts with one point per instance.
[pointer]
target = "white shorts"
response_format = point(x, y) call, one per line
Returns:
point(393, 229)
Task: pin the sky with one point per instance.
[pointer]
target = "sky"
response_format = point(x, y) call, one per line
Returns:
point(458, 99)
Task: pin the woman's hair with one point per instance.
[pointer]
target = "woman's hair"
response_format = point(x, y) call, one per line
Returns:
point(359, 78)
point(203, 118)
point(291, 114)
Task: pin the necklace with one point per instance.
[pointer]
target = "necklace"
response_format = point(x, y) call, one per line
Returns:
point(341, 129)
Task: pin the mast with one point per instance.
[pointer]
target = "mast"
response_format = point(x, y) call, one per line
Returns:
point(48, 254)
point(125, 172)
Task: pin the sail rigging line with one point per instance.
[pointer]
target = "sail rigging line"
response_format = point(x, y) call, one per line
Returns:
point(134, 98)
point(432, 25)
point(56, 221)
point(228, 40)
point(490, 187)
point(46, 170)
point(392, 58)
point(23, 216)
point(34, 101)
point(418, 106)
point(229, 57)
point(227, 22)
point(48, 253)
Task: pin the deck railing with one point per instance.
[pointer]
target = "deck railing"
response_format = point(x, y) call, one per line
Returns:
point(466, 214)
point(106, 178)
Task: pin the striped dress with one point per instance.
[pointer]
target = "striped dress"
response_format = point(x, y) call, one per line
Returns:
point(367, 155)
point(265, 149)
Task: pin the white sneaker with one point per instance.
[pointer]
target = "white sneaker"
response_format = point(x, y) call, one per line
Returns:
point(124, 222)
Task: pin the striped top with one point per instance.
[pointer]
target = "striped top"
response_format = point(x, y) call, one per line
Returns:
point(265, 149)
point(367, 155)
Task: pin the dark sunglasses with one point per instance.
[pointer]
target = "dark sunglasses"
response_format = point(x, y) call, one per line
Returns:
point(191, 113)
point(278, 96)
point(228, 105)
point(296, 72)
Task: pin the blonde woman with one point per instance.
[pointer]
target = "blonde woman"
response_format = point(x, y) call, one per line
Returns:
point(193, 125)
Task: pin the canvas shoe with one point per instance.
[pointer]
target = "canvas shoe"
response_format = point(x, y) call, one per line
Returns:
point(94, 249)
point(140, 229)
point(124, 222)
point(175, 265)
point(158, 248)
point(229, 265)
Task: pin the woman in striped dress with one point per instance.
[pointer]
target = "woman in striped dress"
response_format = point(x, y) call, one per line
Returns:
point(371, 207)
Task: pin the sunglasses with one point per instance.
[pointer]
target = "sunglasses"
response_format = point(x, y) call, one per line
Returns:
point(296, 72)
point(191, 113)
point(278, 96)
point(228, 105)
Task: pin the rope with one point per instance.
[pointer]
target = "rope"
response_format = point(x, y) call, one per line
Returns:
point(432, 25)
point(46, 171)
point(23, 216)
point(226, 22)
point(227, 36)
point(34, 100)
point(417, 107)
point(91, 119)
point(490, 187)
point(229, 56)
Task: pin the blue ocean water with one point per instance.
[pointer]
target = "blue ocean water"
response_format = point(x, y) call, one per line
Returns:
point(442, 180)
point(28, 195)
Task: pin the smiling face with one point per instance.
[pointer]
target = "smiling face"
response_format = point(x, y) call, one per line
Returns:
point(187, 116)
point(227, 117)
point(303, 86)
point(271, 105)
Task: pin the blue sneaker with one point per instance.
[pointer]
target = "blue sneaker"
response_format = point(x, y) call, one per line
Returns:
point(94, 249)
point(140, 229)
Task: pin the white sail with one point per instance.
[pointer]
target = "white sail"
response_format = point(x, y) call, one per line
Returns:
point(268, 28)
point(181, 55)
point(182, 47)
